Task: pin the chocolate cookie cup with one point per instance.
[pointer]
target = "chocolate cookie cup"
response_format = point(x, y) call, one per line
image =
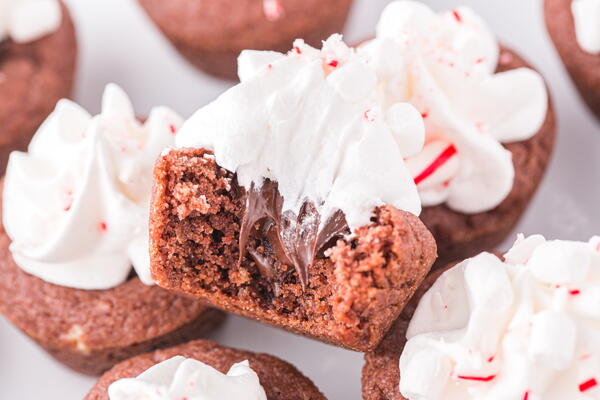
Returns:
point(91, 330)
point(518, 326)
point(33, 77)
point(308, 221)
point(74, 228)
point(212, 34)
point(279, 379)
point(349, 298)
point(583, 67)
point(461, 235)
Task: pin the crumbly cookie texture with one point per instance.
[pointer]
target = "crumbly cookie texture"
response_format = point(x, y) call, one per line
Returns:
point(353, 291)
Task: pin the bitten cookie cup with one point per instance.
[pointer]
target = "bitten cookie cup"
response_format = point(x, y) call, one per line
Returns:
point(351, 296)
point(583, 66)
point(521, 326)
point(279, 379)
point(461, 235)
point(211, 34)
point(302, 215)
point(34, 75)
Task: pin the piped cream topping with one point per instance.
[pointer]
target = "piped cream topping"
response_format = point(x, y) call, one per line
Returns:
point(527, 327)
point(76, 204)
point(310, 121)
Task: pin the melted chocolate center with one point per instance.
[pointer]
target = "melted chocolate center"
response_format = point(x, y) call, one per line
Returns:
point(286, 237)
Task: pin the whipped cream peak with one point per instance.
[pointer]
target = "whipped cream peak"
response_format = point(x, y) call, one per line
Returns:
point(185, 378)
point(311, 121)
point(586, 16)
point(444, 65)
point(75, 205)
point(527, 327)
point(28, 20)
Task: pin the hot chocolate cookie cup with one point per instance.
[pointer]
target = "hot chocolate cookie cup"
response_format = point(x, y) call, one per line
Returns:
point(459, 235)
point(583, 67)
point(350, 294)
point(91, 330)
point(279, 379)
point(211, 34)
point(519, 326)
point(34, 76)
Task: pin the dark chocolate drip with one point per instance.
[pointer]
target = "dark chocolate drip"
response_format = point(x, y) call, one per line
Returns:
point(286, 237)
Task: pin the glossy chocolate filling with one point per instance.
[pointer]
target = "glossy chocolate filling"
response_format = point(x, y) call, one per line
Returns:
point(285, 237)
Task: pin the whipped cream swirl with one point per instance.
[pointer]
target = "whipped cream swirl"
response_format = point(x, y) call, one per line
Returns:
point(444, 64)
point(586, 15)
point(184, 378)
point(76, 204)
point(526, 328)
point(27, 20)
point(310, 120)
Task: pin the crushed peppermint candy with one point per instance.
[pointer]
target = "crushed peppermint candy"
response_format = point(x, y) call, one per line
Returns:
point(456, 16)
point(587, 385)
point(440, 160)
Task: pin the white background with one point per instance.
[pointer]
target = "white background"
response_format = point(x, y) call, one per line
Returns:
point(119, 44)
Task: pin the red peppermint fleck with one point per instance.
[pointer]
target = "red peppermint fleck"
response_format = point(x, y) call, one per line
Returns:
point(297, 50)
point(69, 200)
point(587, 385)
point(445, 307)
point(444, 156)
point(425, 114)
point(457, 16)
point(491, 359)
point(172, 128)
point(477, 378)
point(479, 60)
point(585, 356)
point(368, 115)
point(333, 63)
point(526, 396)
point(574, 292)
point(103, 227)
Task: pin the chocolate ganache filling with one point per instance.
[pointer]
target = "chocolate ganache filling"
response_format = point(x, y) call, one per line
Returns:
point(285, 237)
